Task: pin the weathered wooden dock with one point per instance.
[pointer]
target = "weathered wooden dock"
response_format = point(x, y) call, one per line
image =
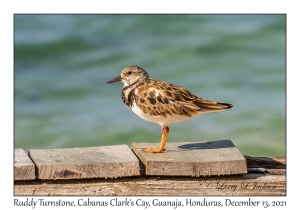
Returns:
point(195, 168)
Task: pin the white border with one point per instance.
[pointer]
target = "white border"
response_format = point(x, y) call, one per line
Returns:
point(8, 8)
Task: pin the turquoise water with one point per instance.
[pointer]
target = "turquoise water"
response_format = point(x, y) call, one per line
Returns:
point(62, 64)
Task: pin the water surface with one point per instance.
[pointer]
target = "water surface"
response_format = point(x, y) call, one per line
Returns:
point(62, 64)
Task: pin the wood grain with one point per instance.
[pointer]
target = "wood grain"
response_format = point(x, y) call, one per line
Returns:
point(266, 162)
point(23, 167)
point(257, 182)
point(90, 162)
point(251, 184)
point(192, 159)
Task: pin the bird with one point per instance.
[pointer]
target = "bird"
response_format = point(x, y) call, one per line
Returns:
point(161, 102)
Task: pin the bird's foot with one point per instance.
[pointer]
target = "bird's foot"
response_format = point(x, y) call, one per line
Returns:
point(154, 150)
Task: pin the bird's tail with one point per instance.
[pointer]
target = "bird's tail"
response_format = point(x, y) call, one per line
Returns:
point(211, 106)
point(225, 105)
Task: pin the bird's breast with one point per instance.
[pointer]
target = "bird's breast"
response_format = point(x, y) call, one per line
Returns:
point(128, 96)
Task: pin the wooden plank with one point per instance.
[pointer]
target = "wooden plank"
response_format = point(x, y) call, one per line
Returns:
point(251, 184)
point(23, 167)
point(266, 162)
point(192, 159)
point(254, 183)
point(90, 162)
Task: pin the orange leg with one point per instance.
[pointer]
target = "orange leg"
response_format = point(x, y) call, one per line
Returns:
point(164, 136)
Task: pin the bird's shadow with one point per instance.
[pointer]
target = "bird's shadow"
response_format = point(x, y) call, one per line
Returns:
point(207, 145)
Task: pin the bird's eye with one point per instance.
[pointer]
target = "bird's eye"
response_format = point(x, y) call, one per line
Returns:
point(129, 72)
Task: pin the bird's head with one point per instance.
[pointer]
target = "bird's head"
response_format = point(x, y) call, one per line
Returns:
point(130, 75)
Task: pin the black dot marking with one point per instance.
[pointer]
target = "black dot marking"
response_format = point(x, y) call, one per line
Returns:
point(151, 100)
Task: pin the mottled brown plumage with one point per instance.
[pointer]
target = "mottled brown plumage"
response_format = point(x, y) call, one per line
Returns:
point(161, 102)
point(157, 97)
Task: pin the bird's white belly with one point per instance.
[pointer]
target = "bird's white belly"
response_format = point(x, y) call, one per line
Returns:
point(162, 121)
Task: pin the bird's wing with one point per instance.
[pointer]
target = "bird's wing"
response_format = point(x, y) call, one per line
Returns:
point(155, 97)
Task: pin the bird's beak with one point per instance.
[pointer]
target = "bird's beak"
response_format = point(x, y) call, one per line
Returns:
point(117, 79)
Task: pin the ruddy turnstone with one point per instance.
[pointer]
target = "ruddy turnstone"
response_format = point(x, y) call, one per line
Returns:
point(161, 102)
